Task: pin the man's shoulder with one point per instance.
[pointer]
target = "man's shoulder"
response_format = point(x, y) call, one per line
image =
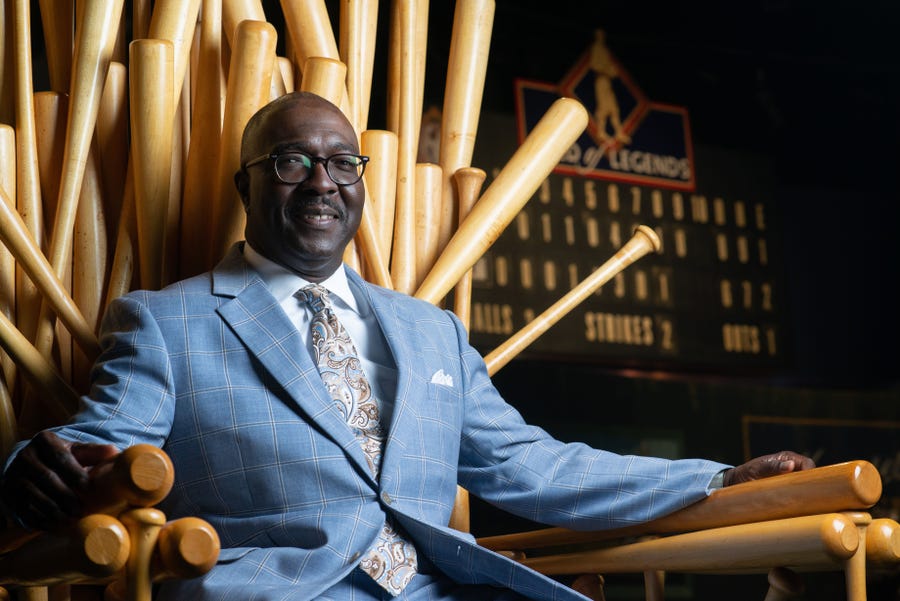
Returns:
point(397, 299)
point(228, 278)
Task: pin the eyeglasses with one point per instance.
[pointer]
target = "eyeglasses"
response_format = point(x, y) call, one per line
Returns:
point(296, 167)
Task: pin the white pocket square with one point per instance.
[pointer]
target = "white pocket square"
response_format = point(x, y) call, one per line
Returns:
point(440, 377)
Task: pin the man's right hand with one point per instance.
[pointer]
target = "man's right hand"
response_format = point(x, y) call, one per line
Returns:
point(43, 484)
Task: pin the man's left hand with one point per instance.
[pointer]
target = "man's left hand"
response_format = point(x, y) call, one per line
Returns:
point(768, 465)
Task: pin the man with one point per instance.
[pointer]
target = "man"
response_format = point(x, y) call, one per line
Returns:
point(222, 371)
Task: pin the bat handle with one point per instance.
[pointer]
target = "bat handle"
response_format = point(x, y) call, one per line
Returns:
point(143, 526)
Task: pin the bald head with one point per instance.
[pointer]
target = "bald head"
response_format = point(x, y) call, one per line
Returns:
point(254, 138)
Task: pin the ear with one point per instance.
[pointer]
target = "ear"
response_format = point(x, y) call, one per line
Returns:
point(242, 183)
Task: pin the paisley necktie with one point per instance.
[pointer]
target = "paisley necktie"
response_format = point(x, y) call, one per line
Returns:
point(391, 561)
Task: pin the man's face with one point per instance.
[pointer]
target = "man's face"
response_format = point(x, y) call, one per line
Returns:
point(304, 227)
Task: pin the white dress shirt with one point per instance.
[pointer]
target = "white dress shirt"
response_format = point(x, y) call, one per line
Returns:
point(352, 310)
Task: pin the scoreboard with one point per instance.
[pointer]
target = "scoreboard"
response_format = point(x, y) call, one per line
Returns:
point(712, 299)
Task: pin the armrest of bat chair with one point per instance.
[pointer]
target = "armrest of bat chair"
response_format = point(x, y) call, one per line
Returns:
point(809, 503)
point(122, 539)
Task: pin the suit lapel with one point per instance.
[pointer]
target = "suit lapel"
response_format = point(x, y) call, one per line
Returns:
point(271, 338)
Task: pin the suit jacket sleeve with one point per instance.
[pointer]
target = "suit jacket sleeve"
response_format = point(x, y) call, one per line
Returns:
point(525, 471)
point(132, 398)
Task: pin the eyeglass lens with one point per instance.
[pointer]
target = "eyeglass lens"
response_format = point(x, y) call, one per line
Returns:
point(343, 169)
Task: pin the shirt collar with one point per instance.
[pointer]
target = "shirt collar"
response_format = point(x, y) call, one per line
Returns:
point(283, 283)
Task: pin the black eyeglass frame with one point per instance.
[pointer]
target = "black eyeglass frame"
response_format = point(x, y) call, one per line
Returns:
point(325, 161)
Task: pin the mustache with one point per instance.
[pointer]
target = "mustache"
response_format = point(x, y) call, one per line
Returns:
point(305, 205)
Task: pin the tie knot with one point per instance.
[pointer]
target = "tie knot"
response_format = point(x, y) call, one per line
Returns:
point(315, 296)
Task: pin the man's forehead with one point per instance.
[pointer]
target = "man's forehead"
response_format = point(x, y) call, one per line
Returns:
point(306, 108)
point(304, 121)
point(309, 113)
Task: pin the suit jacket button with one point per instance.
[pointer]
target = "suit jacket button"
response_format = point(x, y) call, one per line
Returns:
point(386, 498)
point(355, 557)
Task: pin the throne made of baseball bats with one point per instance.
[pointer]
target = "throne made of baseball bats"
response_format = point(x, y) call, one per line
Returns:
point(190, 81)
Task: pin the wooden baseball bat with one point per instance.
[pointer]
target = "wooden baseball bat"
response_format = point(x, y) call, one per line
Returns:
point(28, 189)
point(883, 543)
point(235, 11)
point(286, 68)
point(140, 19)
point(421, 47)
point(7, 259)
point(121, 274)
point(468, 182)
point(57, 21)
point(325, 77)
point(143, 525)
point(203, 153)
point(545, 145)
point(249, 77)
point(90, 252)
point(351, 257)
point(310, 30)
point(277, 86)
point(370, 248)
point(826, 489)
point(358, 29)
point(50, 109)
point(381, 180)
point(807, 540)
point(60, 398)
point(180, 140)
point(428, 211)
point(469, 47)
point(460, 515)
point(643, 241)
point(175, 20)
point(94, 41)
point(855, 566)
point(112, 142)
point(188, 547)
point(96, 547)
point(152, 120)
point(14, 234)
point(89, 263)
point(120, 47)
point(403, 255)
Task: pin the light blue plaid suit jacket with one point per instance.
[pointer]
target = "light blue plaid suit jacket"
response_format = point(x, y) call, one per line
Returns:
point(212, 370)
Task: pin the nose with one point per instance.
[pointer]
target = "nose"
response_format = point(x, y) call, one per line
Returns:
point(319, 180)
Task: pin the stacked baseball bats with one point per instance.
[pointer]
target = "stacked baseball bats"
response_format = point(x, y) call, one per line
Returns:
point(119, 176)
